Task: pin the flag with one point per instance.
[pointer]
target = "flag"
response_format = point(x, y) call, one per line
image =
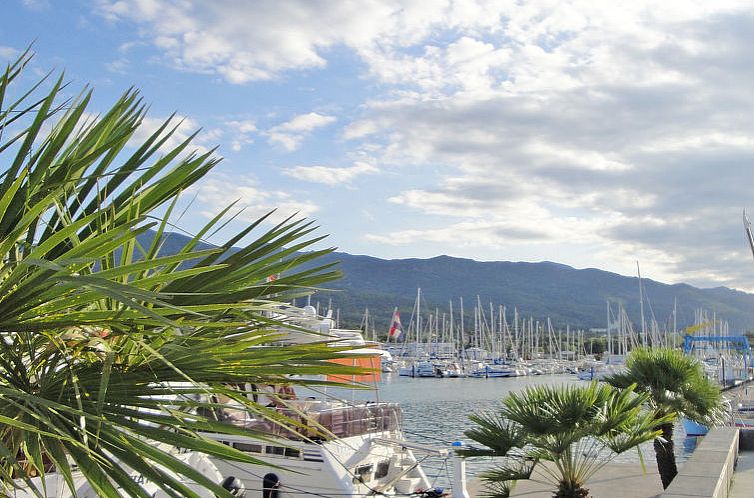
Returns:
point(396, 329)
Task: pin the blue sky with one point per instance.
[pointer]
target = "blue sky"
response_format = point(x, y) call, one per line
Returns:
point(587, 133)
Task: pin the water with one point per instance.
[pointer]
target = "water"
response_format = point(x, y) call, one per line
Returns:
point(435, 412)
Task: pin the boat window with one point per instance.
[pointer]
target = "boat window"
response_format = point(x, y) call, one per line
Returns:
point(248, 448)
point(363, 470)
point(382, 469)
point(275, 450)
point(292, 452)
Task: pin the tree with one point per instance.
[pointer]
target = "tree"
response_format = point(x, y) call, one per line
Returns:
point(676, 387)
point(578, 429)
point(100, 329)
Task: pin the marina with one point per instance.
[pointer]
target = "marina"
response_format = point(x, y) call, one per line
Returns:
point(435, 412)
point(490, 175)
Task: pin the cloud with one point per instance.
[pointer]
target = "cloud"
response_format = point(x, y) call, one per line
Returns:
point(330, 175)
point(184, 127)
point(119, 66)
point(593, 130)
point(245, 42)
point(242, 131)
point(9, 53)
point(291, 133)
point(36, 4)
point(217, 191)
point(605, 132)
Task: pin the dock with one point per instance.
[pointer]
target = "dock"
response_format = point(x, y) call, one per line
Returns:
point(722, 466)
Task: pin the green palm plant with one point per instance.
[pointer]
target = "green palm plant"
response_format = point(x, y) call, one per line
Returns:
point(575, 430)
point(99, 327)
point(676, 387)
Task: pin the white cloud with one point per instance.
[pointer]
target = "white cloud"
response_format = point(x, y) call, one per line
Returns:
point(330, 175)
point(242, 131)
point(291, 133)
point(618, 128)
point(245, 42)
point(119, 66)
point(217, 191)
point(184, 127)
point(36, 4)
point(9, 53)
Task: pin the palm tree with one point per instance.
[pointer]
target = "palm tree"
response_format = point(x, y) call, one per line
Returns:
point(578, 429)
point(100, 328)
point(676, 387)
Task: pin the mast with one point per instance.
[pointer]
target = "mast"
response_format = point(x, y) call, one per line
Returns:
point(641, 307)
point(418, 315)
point(515, 331)
point(609, 337)
point(463, 338)
point(452, 331)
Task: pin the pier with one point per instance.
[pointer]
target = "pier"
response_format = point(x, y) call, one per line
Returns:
point(722, 466)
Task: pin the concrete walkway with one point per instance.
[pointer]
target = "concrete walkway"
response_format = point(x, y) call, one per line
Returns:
point(743, 477)
point(615, 480)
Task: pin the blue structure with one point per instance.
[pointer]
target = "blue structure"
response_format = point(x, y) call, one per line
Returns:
point(738, 342)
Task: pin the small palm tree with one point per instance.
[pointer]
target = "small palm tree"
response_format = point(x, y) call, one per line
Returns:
point(676, 387)
point(100, 329)
point(578, 429)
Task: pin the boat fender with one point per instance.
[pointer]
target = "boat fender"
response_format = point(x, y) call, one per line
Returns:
point(270, 486)
point(234, 485)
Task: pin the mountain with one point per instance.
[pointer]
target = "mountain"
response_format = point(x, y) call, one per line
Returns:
point(569, 296)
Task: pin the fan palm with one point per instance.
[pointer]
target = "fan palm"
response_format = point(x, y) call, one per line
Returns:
point(101, 331)
point(577, 429)
point(676, 386)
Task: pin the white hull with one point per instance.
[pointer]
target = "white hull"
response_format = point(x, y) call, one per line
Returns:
point(328, 469)
point(56, 486)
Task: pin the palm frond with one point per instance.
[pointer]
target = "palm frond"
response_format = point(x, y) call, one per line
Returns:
point(577, 428)
point(99, 331)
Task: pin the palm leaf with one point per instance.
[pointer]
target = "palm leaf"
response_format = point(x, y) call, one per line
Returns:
point(99, 331)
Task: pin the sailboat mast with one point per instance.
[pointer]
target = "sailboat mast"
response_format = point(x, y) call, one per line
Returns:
point(641, 308)
point(463, 337)
point(609, 337)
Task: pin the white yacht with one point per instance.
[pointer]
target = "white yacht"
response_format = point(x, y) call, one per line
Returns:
point(334, 448)
point(338, 448)
point(53, 485)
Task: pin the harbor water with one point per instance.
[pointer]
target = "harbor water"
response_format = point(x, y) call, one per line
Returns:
point(435, 412)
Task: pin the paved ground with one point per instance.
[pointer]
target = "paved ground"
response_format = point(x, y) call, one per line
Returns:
point(612, 481)
point(743, 477)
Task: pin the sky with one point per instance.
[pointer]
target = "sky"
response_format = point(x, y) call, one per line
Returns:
point(593, 134)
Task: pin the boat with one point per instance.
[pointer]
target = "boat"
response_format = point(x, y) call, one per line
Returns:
point(453, 370)
point(336, 447)
point(55, 486)
point(492, 371)
point(332, 448)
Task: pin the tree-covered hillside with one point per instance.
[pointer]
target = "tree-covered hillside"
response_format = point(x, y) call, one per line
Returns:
point(567, 295)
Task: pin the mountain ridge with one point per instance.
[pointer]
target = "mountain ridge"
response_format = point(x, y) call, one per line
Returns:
point(567, 295)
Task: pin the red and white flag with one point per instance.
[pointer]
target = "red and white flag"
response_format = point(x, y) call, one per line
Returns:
point(396, 329)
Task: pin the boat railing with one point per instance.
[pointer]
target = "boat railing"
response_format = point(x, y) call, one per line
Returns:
point(299, 421)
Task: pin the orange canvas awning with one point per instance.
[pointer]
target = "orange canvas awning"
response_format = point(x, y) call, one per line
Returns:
point(370, 361)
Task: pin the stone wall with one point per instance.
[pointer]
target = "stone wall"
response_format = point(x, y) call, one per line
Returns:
point(709, 471)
